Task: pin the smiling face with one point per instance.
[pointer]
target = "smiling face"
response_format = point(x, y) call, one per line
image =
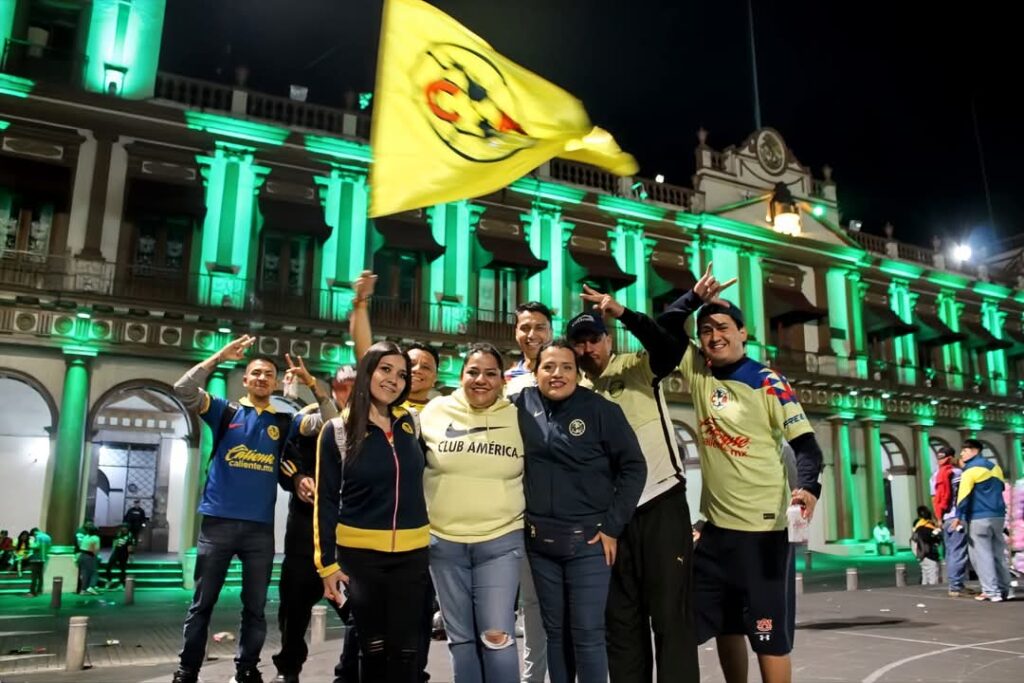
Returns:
point(388, 381)
point(260, 379)
point(556, 373)
point(532, 330)
point(424, 373)
point(721, 341)
point(482, 380)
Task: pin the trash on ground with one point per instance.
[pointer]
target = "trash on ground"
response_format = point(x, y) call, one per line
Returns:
point(222, 636)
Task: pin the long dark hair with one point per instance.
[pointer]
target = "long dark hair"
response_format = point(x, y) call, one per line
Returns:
point(359, 401)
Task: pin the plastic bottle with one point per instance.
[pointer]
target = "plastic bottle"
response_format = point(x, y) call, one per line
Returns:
point(797, 525)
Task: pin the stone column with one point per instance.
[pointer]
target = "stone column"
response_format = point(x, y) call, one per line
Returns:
point(875, 470)
point(62, 511)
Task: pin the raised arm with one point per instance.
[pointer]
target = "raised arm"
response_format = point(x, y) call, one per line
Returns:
point(189, 388)
point(359, 323)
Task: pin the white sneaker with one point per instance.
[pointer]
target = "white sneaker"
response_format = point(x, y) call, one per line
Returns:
point(995, 598)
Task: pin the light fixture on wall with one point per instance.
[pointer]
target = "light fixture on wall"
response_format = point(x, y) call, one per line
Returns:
point(783, 212)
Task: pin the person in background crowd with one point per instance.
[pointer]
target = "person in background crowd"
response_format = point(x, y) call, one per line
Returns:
point(123, 546)
point(39, 543)
point(370, 531)
point(584, 475)
point(925, 542)
point(945, 484)
point(474, 492)
point(88, 559)
point(21, 550)
point(6, 550)
point(883, 538)
point(981, 508)
point(135, 518)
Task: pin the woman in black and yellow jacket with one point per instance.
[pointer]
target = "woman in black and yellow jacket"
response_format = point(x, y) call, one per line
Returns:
point(370, 527)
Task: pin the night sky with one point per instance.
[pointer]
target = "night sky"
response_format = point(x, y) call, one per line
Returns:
point(882, 95)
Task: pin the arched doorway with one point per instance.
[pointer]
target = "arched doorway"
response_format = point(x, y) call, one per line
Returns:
point(26, 424)
point(898, 485)
point(990, 453)
point(140, 436)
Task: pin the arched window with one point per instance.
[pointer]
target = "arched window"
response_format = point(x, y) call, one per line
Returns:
point(686, 440)
point(990, 453)
point(894, 453)
point(935, 443)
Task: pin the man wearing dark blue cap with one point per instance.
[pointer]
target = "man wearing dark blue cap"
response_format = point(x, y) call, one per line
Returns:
point(743, 564)
point(651, 586)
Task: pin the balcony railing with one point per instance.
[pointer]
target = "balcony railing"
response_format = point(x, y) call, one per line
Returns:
point(200, 94)
point(583, 175)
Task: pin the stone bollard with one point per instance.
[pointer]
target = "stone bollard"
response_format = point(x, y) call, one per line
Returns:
point(129, 590)
point(318, 625)
point(807, 560)
point(78, 629)
point(901, 575)
point(851, 579)
point(799, 583)
point(56, 592)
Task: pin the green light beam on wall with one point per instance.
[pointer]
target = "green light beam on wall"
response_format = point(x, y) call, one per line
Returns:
point(239, 129)
point(7, 11)
point(15, 86)
point(4, 125)
point(123, 47)
point(549, 191)
point(345, 150)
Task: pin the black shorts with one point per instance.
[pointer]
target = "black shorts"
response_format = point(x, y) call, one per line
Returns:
point(744, 584)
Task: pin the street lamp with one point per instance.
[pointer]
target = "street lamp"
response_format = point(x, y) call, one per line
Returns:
point(962, 252)
point(783, 212)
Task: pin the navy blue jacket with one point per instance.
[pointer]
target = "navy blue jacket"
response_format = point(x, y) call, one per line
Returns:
point(583, 461)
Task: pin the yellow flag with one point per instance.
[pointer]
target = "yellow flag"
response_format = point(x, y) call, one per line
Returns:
point(453, 119)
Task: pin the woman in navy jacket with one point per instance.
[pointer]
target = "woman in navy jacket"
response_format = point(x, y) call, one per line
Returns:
point(370, 529)
point(584, 475)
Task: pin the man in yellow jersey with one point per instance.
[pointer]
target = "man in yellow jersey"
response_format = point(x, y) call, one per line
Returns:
point(743, 563)
point(651, 583)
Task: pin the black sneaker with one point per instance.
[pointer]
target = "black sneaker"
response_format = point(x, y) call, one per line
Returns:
point(247, 676)
point(182, 676)
point(286, 678)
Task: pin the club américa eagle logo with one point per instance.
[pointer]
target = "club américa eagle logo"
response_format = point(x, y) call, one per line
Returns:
point(466, 100)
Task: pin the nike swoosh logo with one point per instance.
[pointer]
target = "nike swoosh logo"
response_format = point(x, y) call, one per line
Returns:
point(453, 433)
point(538, 413)
point(234, 425)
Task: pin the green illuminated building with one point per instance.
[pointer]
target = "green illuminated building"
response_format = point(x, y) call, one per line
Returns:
point(134, 245)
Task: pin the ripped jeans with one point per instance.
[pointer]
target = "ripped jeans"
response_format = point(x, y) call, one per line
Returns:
point(476, 585)
point(382, 589)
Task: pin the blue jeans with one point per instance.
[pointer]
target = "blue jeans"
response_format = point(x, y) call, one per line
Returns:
point(956, 556)
point(476, 585)
point(988, 555)
point(219, 541)
point(573, 594)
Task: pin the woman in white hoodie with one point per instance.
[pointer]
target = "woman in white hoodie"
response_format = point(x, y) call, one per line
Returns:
point(474, 490)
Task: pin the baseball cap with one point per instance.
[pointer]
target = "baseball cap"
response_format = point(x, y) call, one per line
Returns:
point(721, 306)
point(584, 325)
point(346, 373)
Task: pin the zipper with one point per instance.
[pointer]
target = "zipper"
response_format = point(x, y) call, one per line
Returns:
point(398, 475)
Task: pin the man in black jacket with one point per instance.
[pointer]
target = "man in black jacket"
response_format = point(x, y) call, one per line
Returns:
point(651, 586)
point(300, 586)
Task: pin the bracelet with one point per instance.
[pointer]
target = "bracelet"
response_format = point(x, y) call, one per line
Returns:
point(312, 385)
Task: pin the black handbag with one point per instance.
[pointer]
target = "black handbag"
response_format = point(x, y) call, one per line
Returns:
point(554, 538)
